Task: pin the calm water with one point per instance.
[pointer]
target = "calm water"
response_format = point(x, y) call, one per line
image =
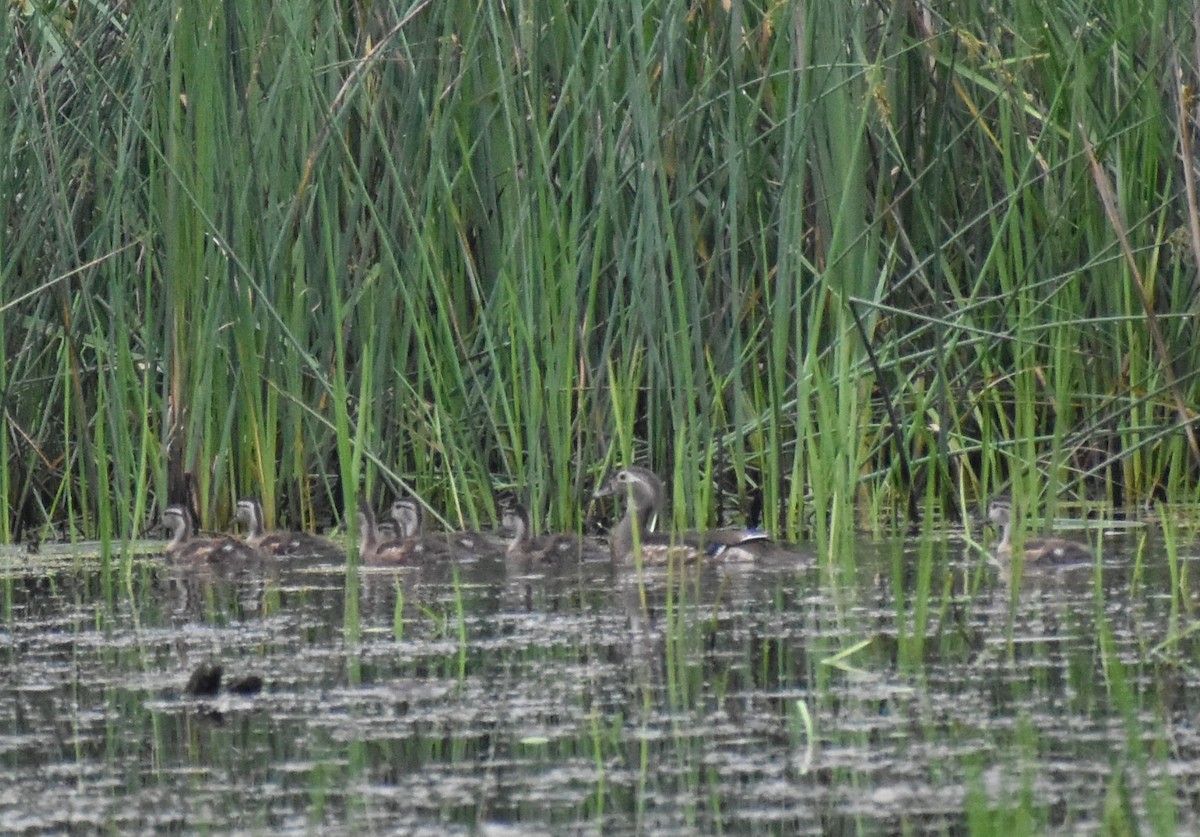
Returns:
point(484, 698)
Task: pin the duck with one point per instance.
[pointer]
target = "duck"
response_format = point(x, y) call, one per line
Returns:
point(409, 517)
point(525, 545)
point(178, 519)
point(250, 513)
point(372, 548)
point(645, 494)
point(1036, 550)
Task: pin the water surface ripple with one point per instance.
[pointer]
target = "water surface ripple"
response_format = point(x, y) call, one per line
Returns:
point(906, 688)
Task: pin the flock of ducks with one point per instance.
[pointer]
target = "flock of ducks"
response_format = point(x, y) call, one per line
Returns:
point(402, 538)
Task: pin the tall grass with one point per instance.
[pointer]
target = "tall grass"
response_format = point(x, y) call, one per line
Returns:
point(304, 251)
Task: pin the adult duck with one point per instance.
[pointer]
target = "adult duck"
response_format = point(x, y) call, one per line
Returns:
point(645, 495)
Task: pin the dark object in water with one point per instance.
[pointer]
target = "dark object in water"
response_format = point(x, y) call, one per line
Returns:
point(205, 681)
point(246, 686)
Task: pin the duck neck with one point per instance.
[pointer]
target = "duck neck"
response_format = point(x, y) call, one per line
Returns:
point(255, 529)
point(408, 520)
point(521, 536)
point(180, 532)
point(622, 540)
point(1005, 544)
point(367, 538)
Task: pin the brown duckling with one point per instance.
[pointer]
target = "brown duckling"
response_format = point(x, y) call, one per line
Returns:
point(1036, 550)
point(183, 546)
point(526, 545)
point(409, 520)
point(250, 514)
point(371, 547)
point(646, 494)
point(409, 517)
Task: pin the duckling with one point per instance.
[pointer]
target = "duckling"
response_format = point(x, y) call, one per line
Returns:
point(525, 545)
point(408, 521)
point(387, 530)
point(183, 546)
point(371, 548)
point(250, 513)
point(1037, 550)
point(409, 517)
point(646, 493)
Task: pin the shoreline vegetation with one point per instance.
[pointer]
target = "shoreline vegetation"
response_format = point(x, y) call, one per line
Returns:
point(827, 265)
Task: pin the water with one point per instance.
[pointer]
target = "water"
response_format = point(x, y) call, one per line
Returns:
point(906, 690)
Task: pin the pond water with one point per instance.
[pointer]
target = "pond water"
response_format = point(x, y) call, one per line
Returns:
point(906, 688)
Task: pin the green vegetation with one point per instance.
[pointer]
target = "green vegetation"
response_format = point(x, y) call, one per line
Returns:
point(855, 255)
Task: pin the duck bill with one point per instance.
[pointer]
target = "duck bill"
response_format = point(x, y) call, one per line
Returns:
point(604, 489)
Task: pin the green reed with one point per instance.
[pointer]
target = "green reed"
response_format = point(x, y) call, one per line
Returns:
point(448, 250)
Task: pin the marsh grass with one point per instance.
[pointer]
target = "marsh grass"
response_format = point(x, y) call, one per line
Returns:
point(448, 249)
